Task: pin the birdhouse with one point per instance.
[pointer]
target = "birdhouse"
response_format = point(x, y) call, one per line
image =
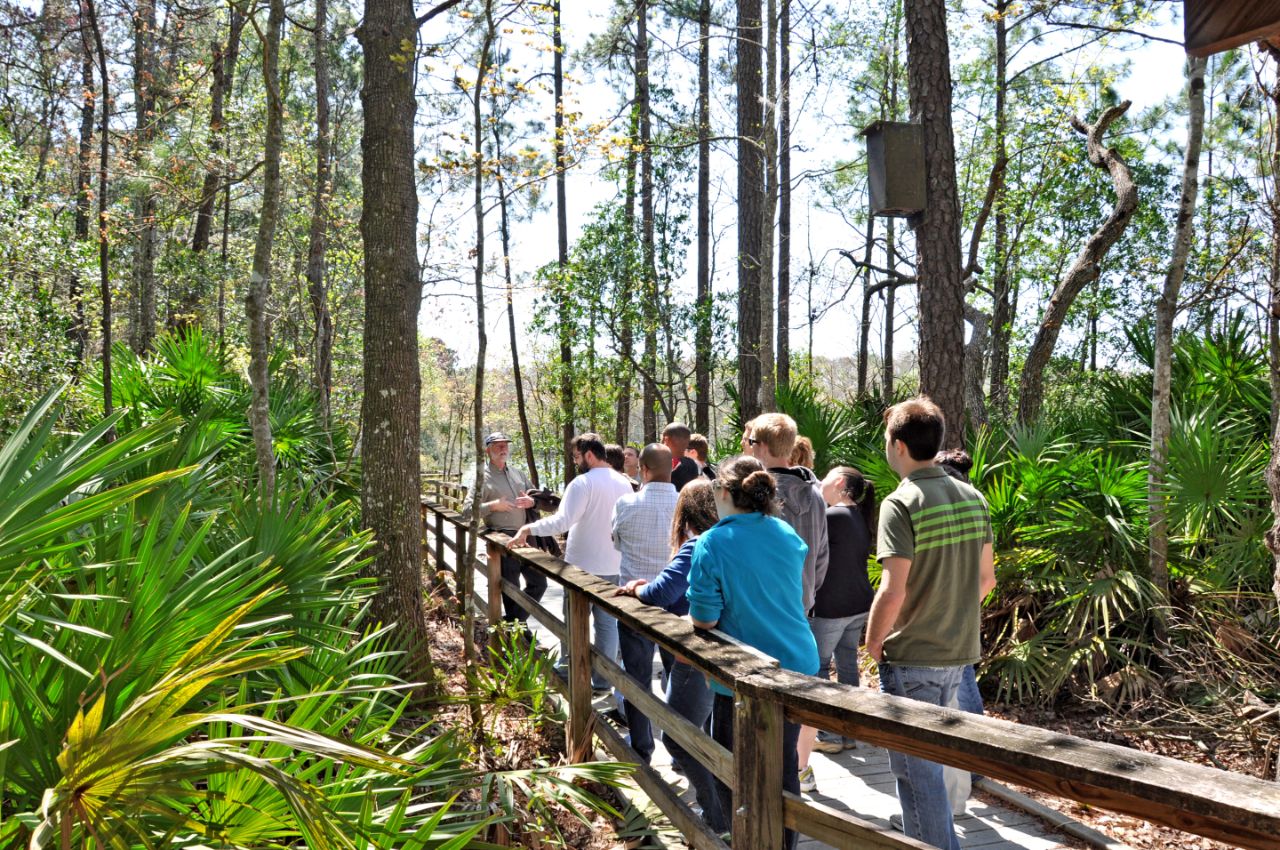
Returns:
point(895, 168)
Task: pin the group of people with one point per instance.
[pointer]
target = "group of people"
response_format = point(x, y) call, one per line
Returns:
point(761, 548)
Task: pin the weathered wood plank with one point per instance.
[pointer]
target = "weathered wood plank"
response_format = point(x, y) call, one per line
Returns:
point(494, 582)
point(712, 652)
point(581, 717)
point(839, 828)
point(715, 757)
point(757, 773)
point(1212, 803)
point(695, 830)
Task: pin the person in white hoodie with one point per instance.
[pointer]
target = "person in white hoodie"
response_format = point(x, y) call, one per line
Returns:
point(586, 514)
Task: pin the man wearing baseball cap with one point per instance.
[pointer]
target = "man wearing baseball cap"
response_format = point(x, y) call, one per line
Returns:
point(503, 507)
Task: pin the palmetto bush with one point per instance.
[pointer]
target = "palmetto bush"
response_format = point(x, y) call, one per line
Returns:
point(181, 667)
point(188, 378)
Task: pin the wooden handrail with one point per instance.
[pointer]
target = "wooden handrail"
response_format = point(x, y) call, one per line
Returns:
point(1201, 800)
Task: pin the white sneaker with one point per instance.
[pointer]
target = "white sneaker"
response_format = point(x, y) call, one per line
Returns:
point(808, 782)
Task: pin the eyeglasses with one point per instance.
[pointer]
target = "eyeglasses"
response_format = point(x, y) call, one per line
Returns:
point(751, 441)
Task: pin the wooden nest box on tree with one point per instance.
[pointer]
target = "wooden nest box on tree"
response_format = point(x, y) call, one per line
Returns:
point(895, 168)
point(1212, 26)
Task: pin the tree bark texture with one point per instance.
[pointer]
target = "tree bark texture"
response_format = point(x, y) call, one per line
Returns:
point(890, 313)
point(467, 585)
point(89, 11)
point(78, 332)
point(259, 292)
point(626, 293)
point(562, 243)
point(938, 227)
point(1166, 311)
point(782, 354)
point(769, 210)
point(1087, 265)
point(224, 56)
point(975, 358)
point(232, 57)
point(1002, 309)
point(145, 70)
point(317, 289)
point(1273, 327)
point(390, 411)
point(864, 324)
point(750, 204)
point(702, 335)
point(649, 297)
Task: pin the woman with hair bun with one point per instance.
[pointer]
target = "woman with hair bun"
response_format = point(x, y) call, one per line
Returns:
point(747, 580)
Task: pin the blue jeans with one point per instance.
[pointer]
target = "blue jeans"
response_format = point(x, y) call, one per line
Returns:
point(926, 811)
point(605, 639)
point(722, 733)
point(838, 637)
point(535, 584)
point(690, 697)
point(637, 659)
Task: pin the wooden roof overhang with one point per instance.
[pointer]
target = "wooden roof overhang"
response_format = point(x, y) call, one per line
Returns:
point(1212, 26)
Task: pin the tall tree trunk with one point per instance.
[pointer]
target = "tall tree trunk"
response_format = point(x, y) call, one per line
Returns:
point(223, 67)
point(230, 61)
point(768, 366)
point(1166, 311)
point(650, 297)
point(89, 11)
point(317, 290)
point(783, 348)
point(751, 204)
point(390, 485)
point(864, 325)
point(562, 245)
point(78, 332)
point(975, 358)
point(1273, 329)
point(1002, 309)
point(938, 227)
point(521, 407)
point(626, 295)
point(1087, 265)
point(467, 576)
point(145, 71)
point(702, 335)
point(259, 293)
point(890, 312)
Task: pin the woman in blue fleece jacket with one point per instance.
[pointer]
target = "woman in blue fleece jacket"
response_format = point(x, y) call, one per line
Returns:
point(747, 580)
point(687, 690)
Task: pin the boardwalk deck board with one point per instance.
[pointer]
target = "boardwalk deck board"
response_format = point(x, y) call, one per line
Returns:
point(856, 781)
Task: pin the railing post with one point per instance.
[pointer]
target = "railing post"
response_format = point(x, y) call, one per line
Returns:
point(757, 772)
point(495, 584)
point(439, 540)
point(464, 569)
point(578, 629)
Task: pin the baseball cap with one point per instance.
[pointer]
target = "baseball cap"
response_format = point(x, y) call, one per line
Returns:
point(496, 437)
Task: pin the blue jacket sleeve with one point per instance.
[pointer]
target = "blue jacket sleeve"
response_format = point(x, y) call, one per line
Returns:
point(668, 589)
point(706, 597)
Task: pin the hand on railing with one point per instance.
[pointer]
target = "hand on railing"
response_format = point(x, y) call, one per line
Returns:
point(630, 588)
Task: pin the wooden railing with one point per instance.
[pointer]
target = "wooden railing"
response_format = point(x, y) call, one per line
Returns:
point(443, 489)
point(1212, 803)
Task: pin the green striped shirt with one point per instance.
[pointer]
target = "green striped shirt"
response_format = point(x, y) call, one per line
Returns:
point(940, 524)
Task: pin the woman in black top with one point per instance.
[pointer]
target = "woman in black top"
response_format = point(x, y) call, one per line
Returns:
point(844, 599)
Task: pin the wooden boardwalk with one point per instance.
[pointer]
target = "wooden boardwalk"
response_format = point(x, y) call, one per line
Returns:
point(857, 781)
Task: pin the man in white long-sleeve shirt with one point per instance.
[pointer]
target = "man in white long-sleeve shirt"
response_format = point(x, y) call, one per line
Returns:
point(586, 513)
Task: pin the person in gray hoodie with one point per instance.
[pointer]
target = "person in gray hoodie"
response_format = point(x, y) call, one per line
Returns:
point(770, 438)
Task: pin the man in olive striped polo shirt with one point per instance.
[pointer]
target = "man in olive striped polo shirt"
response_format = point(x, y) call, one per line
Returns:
point(934, 548)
